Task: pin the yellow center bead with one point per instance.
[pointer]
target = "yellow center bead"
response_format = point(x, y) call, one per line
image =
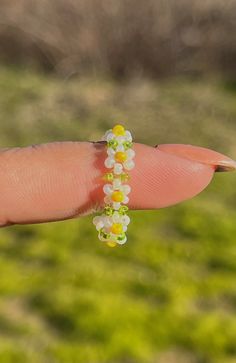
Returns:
point(117, 196)
point(118, 130)
point(120, 156)
point(117, 228)
point(111, 244)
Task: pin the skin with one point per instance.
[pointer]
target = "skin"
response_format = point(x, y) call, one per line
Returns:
point(63, 180)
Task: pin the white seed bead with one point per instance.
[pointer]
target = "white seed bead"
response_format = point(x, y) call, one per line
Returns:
point(129, 164)
point(107, 199)
point(125, 220)
point(99, 225)
point(120, 139)
point(109, 162)
point(126, 200)
point(124, 228)
point(105, 135)
point(107, 188)
point(110, 151)
point(128, 136)
point(107, 222)
point(118, 168)
point(116, 205)
point(130, 153)
point(126, 189)
point(116, 183)
point(120, 148)
point(96, 220)
point(116, 217)
point(110, 136)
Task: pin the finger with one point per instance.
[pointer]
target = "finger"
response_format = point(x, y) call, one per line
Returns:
point(62, 180)
point(170, 174)
point(46, 182)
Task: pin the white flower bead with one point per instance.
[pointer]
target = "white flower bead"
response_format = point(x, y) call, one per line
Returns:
point(125, 220)
point(126, 189)
point(128, 136)
point(126, 200)
point(116, 217)
point(124, 228)
point(116, 183)
point(130, 153)
point(129, 164)
point(99, 225)
point(107, 188)
point(110, 152)
point(120, 148)
point(116, 205)
point(118, 168)
point(107, 199)
point(109, 163)
point(107, 222)
point(106, 134)
point(109, 136)
point(120, 139)
point(97, 219)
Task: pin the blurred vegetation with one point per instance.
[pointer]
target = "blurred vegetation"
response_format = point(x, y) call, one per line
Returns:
point(152, 37)
point(168, 295)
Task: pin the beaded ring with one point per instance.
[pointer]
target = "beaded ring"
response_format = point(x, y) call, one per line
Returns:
point(112, 223)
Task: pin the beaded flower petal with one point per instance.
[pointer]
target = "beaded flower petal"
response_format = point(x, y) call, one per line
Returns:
point(112, 223)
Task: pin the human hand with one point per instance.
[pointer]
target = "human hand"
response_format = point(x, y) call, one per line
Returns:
point(63, 180)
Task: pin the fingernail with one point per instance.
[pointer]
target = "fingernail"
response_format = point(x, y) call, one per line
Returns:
point(226, 165)
point(199, 154)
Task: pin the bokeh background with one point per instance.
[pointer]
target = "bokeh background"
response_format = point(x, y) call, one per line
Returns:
point(166, 69)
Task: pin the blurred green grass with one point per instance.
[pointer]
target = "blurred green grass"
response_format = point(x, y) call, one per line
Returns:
point(169, 294)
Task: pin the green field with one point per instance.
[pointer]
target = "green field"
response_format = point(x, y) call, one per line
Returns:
point(169, 294)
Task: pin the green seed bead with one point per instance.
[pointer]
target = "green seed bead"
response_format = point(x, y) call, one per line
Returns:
point(127, 145)
point(112, 143)
point(121, 237)
point(124, 177)
point(108, 177)
point(108, 210)
point(123, 209)
point(104, 234)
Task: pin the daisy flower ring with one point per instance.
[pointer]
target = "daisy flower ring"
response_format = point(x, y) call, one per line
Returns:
point(113, 221)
